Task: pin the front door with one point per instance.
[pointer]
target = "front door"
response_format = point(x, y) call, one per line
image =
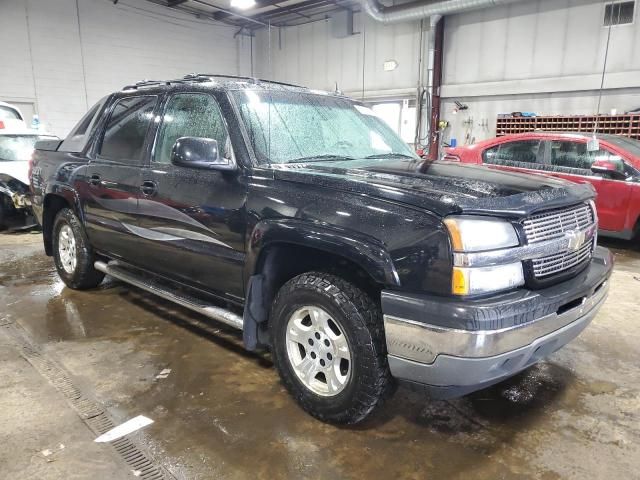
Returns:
point(571, 160)
point(192, 220)
point(114, 176)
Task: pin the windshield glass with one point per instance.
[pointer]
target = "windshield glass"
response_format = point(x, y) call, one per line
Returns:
point(625, 143)
point(18, 147)
point(289, 127)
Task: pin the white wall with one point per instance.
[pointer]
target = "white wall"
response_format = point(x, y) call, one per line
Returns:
point(63, 59)
point(309, 55)
point(538, 55)
point(542, 56)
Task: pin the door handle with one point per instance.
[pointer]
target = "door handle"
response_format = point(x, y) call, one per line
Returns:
point(149, 188)
point(95, 180)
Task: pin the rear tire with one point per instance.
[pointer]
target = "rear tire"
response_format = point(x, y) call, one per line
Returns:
point(72, 252)
point(329, 347)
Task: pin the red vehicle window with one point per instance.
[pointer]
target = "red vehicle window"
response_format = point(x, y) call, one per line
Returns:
point(522, 153)
point(573, 158)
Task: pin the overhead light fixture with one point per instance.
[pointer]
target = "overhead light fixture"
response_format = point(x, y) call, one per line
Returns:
point(242, 4)
point(390, 65)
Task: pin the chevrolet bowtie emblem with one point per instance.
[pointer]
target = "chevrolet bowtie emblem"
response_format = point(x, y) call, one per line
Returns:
point(576, 239)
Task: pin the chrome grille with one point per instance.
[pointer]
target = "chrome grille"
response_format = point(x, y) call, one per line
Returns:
point(543, 267)
point(554, 224)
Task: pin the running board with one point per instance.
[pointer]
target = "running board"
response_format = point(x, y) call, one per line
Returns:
point(115, 270)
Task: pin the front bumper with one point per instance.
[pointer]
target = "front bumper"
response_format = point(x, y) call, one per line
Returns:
point(453, 347)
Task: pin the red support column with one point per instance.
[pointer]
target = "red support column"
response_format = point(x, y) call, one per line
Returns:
point(436, 82)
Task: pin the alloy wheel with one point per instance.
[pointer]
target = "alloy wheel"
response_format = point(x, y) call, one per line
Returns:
point(318, 351)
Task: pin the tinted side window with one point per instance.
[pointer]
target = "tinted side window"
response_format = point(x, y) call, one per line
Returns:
point(127, 127)
point(523, 153)
point(191, 115)
point(77, 140)
point(573, 157)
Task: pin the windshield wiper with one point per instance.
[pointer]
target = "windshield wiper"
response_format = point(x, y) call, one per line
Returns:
point(390, 155)
point(320, 158)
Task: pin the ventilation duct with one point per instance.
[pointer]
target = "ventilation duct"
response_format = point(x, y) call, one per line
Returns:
point(407, 12)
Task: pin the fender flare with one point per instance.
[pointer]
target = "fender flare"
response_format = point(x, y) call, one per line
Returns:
point(67, 193)
point(363, 250)
point(360, 249)
point(71, 198)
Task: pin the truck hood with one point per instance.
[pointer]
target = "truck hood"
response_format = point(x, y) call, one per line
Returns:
point(441, 187)
point(18, 170)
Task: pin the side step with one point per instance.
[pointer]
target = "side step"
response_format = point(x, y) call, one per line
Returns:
point(116, 270)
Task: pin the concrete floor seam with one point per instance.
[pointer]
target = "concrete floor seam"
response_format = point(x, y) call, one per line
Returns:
point(89, 411)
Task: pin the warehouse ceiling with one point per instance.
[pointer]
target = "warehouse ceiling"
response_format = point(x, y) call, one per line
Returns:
point(265, 12)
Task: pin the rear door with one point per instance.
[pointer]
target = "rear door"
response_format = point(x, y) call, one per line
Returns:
point(570, 160)
point(114, 176)
point(192, 220)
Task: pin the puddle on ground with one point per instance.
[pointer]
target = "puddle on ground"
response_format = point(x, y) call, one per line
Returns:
point(222, 412)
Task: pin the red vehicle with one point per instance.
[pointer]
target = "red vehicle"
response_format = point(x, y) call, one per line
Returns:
point(613, 169)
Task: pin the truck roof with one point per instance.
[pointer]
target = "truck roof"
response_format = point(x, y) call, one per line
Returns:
point(226, 82)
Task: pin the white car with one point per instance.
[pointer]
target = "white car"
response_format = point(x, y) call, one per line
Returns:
point(16, 146)
point(11, 117)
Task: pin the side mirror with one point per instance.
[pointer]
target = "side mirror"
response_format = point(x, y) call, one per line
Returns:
point(608, 169)
point(199, 152)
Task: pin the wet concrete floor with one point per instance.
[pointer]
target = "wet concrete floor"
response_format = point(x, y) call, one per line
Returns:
point(222, 412)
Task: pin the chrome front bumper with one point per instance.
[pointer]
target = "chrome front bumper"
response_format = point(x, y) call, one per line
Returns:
point(455, 361)
point(423, 343)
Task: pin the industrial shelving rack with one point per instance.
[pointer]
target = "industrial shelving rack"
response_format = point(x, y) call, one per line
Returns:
point(626, 124)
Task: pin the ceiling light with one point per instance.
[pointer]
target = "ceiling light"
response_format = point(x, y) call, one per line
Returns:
point(390, 65)
point(242, 4)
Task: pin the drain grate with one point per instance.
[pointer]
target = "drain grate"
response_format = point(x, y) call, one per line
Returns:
point(88, 409)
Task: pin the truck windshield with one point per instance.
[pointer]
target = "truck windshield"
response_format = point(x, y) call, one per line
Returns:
point(18, 147)
point(290, 127)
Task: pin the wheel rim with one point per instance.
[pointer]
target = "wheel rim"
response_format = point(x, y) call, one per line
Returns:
point(318, 351)
point(67, 249)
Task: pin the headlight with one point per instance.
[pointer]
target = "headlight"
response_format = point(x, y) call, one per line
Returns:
point(475, 234)
point(475, 280)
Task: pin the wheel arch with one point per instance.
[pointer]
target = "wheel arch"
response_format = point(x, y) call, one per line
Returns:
point(52, 203)
point(280, 250)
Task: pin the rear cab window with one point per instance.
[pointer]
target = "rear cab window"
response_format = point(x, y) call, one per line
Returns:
point(79, 137)
point(126, 129)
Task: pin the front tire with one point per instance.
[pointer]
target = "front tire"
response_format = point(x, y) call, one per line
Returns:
point(329, 347)
point(72, 252)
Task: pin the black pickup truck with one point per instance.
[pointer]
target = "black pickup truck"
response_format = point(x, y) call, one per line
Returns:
point(301, 218)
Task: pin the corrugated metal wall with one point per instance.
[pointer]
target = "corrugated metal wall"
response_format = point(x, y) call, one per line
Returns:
point(539, 55)
point(309, 55)
point(43, 52)
point(544, 56)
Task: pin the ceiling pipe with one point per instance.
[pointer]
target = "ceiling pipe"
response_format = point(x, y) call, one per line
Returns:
point(420, 9)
